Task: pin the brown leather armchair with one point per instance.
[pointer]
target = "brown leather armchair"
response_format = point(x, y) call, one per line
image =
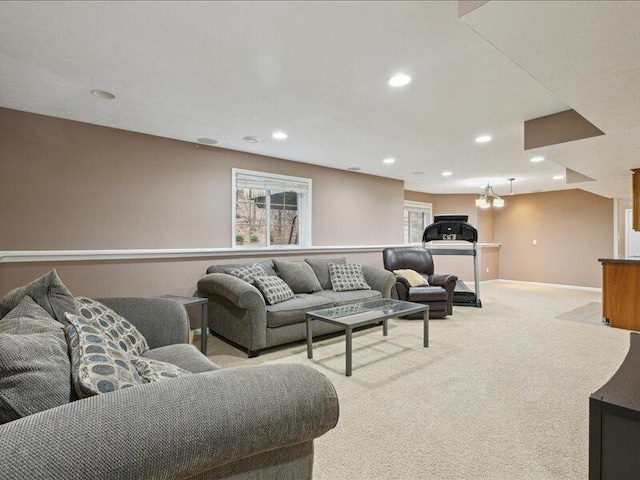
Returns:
point(438, 294)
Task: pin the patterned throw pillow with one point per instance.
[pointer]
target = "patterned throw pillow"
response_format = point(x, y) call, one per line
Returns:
point(347, 277)
point(413, 277)
point(98, 364)
point(155, 370)
point(118, 329)
point(247, 273)
point(273, 289)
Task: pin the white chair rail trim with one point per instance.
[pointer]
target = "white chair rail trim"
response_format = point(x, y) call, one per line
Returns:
point(22, 256)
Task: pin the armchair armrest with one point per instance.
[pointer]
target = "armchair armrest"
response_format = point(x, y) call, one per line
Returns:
point(379, 279)
point(442, 279)
point(171, 429)
point(160, 320)
point(237, 291)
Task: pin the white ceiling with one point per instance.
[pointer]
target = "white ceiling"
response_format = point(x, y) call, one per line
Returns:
point(319, 71)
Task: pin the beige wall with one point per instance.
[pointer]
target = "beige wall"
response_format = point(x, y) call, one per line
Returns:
point(70, 185)
point(573, 228)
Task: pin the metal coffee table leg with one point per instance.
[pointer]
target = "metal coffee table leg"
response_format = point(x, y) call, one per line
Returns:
point(425, 319)
point(309, 339)
point(349, 351)
point(384, 327)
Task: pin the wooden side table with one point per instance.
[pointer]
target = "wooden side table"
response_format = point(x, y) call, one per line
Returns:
point(192, 302)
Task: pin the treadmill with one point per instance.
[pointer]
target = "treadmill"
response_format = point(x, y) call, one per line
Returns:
point(456, 227)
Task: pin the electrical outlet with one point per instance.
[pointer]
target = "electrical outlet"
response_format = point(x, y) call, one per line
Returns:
point(535, 242)
point(487, 269)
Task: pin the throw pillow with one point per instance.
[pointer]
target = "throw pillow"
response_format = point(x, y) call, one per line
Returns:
point(47, 291)
point(347, 277)
point(298, 275)
point(29, 317)
point(98, 365)
point(273, 289)
point(247, 273)
point(321, 269)
point(154, 370)
point(34, 374)
point(117, 328)
point(413, 277)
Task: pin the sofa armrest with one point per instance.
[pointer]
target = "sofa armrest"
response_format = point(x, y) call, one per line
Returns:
point(237, 291)
point(402, 287)
point(379, 279)
point(171, 429)
point(162, 321)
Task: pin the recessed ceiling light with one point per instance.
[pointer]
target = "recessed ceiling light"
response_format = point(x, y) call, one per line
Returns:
point(537, 159)
point(207, 141)
point(400, 80)
point(558, 177)
point(483, 138)
point(102, 94)
point(354, 169)
point(251, 139)
point(389, 161)
point(279, 135)
point(447, 174)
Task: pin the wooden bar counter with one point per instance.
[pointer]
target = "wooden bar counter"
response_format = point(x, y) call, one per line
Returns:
point(621, 292)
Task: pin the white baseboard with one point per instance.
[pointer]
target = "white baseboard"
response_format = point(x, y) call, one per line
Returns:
point(553, 285)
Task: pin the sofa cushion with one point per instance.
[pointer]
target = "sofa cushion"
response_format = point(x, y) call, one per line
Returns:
point(247, 272)
point(98, 364)
point(298, 275)
point(293, 311)
point(47, 291)
point(29, 317)
point(182, 355)
point(344, 298)
point(266, 264)
point(347, 277)
point(273, 289)
point(34, 374)
point(413, 277)
point(321, 269)
point(117, 328)
point(152, 370)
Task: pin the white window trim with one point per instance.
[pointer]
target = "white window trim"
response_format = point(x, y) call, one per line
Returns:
point(423, 206)
point(304, 225)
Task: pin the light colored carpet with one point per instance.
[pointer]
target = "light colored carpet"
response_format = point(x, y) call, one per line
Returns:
point(502, 392)
point(590, 313)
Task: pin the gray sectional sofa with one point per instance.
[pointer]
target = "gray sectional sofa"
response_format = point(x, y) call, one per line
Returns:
point(240, 423)
point(239, 314)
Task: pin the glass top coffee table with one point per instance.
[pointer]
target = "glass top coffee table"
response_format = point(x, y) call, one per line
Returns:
point(365, 313)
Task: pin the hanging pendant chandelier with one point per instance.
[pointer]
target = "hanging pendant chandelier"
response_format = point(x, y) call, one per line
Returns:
point(488, 198)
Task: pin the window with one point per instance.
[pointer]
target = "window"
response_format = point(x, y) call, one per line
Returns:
point(417, 216)
point(270, 210)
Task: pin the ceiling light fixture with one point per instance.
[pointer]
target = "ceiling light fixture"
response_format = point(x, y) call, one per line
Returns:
point(488, 198)
point(400, 80)
point(537, 159)
point(389, 161)
point(103, 95)
point(558, 177)
point(207, 141)
point(447, 174)
point(251, 139)
point(483, 138)
point(279, 135)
